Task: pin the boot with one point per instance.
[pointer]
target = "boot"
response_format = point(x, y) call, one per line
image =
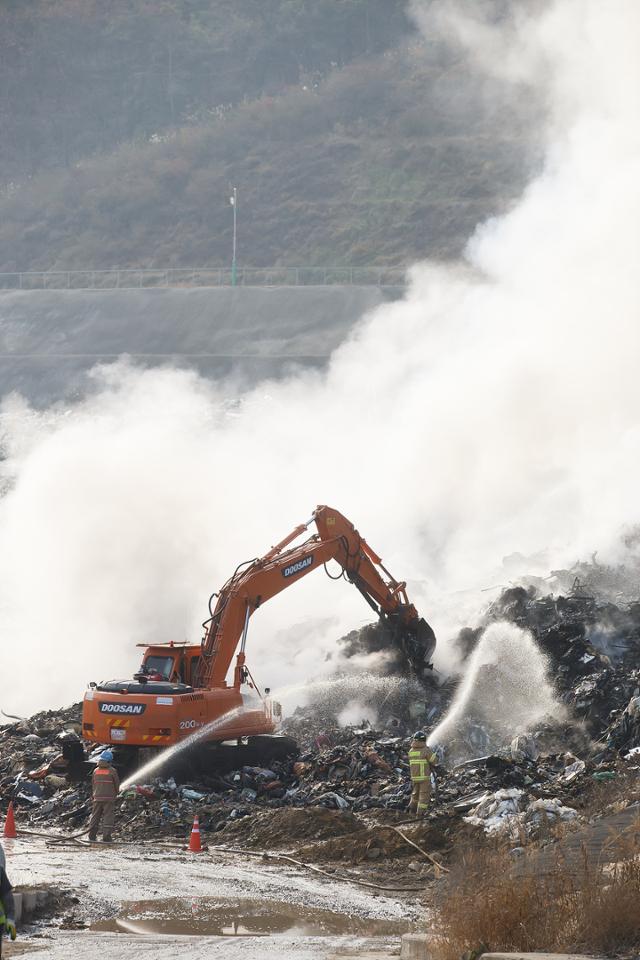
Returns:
point(107, 838)
point(93, 837)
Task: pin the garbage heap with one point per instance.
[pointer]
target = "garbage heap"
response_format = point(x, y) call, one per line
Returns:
point(593, 646)
point(541, 777)
point(350, 769)
point(42, 766)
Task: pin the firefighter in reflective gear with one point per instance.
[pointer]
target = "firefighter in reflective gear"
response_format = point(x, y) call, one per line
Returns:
point(421, 760)
point(106, 785)
point(7, 909)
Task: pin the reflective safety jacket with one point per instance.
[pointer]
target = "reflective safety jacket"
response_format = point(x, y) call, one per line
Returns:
point(7, 908)
point(421, 759)
point(105, 782)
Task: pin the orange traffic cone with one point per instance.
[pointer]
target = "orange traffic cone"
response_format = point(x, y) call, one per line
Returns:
point(194, 841)
point(10, 824)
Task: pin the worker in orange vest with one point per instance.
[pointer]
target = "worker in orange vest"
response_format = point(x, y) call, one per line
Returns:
point(106, 786)
point(421, 760)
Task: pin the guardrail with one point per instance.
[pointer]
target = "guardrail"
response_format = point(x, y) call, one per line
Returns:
point(202, 277)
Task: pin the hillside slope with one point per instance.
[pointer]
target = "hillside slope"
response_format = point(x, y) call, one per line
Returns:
point(393, 156)
point(80, 77)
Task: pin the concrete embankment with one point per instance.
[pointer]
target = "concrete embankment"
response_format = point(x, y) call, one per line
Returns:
point(27, 902)
point(50, 339)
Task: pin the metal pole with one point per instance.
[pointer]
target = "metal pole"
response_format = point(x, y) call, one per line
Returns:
point(234, 202)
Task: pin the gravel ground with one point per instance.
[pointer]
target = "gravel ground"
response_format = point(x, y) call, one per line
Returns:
point(106, 878)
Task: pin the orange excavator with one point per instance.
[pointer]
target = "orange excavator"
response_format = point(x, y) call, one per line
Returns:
point(182, 688)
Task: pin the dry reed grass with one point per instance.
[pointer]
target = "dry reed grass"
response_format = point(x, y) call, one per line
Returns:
point(490, 901)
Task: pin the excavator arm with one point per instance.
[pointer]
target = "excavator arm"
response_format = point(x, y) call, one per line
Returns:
point(259, 580)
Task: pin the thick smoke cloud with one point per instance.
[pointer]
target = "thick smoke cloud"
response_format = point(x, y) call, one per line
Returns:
point(494, 410)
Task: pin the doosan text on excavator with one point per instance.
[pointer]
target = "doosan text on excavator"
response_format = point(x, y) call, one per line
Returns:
point(181, 688)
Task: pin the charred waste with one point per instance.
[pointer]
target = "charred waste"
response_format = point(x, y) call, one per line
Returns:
point(495, 778)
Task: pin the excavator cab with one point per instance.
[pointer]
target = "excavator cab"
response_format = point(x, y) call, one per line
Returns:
point(170, 663)
point(157, 668)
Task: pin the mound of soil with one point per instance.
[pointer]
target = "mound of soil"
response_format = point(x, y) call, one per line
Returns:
point(288, 827)
point(375, 841)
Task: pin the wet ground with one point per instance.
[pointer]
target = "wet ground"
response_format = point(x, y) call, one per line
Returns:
point(207, 916)
point(167, 903)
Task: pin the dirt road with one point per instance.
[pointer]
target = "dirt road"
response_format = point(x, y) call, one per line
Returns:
point(165, 903)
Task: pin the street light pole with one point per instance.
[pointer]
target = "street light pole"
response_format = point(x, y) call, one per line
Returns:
point(234, 203)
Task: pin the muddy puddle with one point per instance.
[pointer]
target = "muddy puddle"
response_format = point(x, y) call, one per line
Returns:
point(205, 916)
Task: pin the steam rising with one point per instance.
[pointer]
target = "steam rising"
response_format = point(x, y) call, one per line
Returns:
point(356, 713)
point(352, 698)
point(494, 410)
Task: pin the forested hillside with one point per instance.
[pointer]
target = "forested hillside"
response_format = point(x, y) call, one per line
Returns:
point(126, 124)
point(80, 76)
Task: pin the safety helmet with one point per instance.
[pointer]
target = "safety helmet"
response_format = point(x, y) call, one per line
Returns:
point(419, 735)
point(107, 756)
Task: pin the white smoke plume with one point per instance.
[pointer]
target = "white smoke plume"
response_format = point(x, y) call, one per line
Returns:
point(495, 409)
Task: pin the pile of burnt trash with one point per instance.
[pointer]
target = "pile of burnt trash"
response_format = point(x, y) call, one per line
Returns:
point(361, 771)
point(524, 791)
point(550, 774)
point(593, 646)
point(337, 768)
point(43, 767)
point(341, 779)
point(538, 777)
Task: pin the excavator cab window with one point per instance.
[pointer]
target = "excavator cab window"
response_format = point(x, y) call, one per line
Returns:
point(159, 666)
point(194, 665)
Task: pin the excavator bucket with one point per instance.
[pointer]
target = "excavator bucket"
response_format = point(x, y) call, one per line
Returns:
point(417, 641)
point(426, 642)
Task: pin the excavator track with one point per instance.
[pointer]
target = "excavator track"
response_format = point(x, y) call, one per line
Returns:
point(208, 759)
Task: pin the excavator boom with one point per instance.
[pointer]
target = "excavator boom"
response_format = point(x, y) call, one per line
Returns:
point(261, 579)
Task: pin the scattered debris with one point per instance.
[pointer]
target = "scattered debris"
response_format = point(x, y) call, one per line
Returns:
point(347, 780)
